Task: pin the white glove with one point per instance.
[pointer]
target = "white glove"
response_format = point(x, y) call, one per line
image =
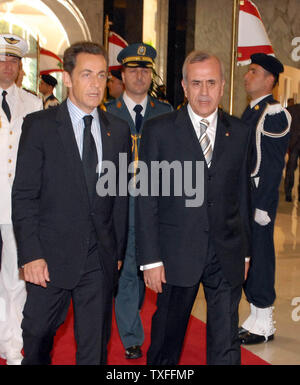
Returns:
point(261, 217)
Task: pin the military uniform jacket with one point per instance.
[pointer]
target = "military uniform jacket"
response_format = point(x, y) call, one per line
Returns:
point(50, 101)
point(154, 108)
point(23, 104)
point(270, 124)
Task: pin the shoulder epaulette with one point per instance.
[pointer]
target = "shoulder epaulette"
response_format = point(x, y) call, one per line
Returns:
point(164, 101)
point(274, 108)
point(103, 107)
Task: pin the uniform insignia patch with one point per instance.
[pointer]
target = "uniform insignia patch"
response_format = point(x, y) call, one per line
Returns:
point(11, 40)
point(141, 50)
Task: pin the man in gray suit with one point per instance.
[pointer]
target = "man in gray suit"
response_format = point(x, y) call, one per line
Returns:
point(135, 106)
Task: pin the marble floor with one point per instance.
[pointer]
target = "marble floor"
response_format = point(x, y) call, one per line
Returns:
point(285, 348)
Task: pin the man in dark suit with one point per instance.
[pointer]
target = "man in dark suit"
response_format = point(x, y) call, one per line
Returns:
point(206, 243)
point(137, 62)
point(270, 124)
point(294, 153)
point(69, 238)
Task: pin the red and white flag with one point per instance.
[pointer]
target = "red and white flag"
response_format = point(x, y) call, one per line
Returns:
point(252, 37)
point(115, 45)
point(49, 62)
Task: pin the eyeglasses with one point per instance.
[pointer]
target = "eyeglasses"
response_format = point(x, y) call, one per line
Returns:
point(9, 59)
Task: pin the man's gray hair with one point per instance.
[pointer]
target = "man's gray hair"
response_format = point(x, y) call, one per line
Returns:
point(198, 57)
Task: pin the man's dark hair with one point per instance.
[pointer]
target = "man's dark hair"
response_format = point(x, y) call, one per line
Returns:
point(71, 53)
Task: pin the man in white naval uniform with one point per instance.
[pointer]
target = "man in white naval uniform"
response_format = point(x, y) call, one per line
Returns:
point(15, 104)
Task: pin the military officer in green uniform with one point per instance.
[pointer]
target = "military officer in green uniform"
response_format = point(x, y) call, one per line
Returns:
point(135, 106)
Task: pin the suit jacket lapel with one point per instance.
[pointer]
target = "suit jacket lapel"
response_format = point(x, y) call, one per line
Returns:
point(148, 109)
point(188, 138)
point(187, 135)
point(106, 136)
point(221, 138)
point(125, 114)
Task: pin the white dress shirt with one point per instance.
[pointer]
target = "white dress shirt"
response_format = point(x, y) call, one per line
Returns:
point(130, 104)
point(212, 127)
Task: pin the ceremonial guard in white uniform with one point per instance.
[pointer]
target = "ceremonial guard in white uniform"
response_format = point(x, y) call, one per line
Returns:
point(15, 104)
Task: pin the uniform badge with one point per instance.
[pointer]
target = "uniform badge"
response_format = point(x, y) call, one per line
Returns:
point(108, 133)
point(11, 40)
point(141, 50)
point(227, 134)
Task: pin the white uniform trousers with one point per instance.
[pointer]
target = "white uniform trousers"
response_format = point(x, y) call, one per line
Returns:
point(12, 299)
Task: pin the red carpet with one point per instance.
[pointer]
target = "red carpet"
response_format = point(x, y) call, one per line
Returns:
point(193, 351)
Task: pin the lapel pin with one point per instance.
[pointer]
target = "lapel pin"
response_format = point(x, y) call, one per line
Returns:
point(256, 107)
point(119, 104)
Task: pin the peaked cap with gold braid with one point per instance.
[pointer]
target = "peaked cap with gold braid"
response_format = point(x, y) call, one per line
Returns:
point(12, 45)
point(137, 55)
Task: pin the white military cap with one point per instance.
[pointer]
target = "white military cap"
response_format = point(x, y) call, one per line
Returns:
point(12, 45)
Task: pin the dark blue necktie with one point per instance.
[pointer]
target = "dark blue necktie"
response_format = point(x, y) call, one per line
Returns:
point(5, 106)
point(138, 117)
point(89, 157)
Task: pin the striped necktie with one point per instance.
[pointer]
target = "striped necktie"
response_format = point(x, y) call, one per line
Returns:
point(205, 142)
